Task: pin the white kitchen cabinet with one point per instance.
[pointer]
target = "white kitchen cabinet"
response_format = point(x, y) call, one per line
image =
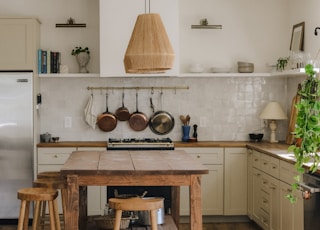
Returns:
point(264, 190)
point(19, 42)
point(211, 184)
point(235, 181)
point(117, 20)
point(52, 159)
point(291, 215)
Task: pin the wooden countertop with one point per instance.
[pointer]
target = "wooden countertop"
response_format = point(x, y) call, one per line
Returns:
point(177, 144)
point(123, 162)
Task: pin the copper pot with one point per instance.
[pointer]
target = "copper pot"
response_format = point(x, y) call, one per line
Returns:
point(138, 121)
point(122, 113)
point(107, 121)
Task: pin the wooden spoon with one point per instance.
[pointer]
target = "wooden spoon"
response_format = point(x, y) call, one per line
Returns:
point(187, 119)
point(183, 119)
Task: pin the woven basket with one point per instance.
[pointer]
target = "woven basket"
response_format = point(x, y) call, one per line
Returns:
point(107, 222)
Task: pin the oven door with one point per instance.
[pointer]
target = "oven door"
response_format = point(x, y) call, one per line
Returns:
point(311, 201)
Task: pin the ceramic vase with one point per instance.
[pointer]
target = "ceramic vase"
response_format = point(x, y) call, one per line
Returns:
point(185, 133)
point(83, 60)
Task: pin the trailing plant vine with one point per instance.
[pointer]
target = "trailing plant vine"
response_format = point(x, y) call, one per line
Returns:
point(307, 129)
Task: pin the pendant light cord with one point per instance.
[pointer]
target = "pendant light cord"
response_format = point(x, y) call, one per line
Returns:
point(145, 6)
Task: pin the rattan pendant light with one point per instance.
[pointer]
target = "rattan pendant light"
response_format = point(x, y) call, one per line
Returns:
point(149, 49)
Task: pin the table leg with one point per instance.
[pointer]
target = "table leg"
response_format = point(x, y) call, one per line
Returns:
point(195, 203)
point(175, 205)
point(72, 203)
point(83, 214)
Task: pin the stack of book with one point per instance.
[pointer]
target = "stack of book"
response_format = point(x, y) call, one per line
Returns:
point(48, 61)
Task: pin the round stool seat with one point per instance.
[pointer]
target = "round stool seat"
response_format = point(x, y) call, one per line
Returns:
point(136, 204)
point(40, 194)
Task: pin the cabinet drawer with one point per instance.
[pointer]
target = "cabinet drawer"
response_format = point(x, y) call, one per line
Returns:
point(256, 159)
point(270, 165)
point(54, 155)
point(206, 156)
point(287, 172)
point(265, 201)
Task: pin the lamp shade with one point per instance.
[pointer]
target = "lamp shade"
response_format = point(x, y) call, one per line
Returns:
point(273, 111)
point(149, 49)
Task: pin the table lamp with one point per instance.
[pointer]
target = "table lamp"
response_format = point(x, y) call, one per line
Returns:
point(273, 112)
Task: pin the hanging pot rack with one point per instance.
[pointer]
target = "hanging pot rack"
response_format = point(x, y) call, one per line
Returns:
point(139, 88)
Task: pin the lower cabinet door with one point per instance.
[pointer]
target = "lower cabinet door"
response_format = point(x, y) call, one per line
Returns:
point(212, 193)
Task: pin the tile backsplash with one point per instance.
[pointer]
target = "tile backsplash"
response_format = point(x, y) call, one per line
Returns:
point(225, 108)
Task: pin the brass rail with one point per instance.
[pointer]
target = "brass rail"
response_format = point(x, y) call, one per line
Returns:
point(139, 88)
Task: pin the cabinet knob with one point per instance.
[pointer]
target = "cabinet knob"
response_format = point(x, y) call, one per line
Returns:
point(56, 156)
point(198, 156)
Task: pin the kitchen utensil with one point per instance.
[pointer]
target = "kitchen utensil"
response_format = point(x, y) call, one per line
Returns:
point(293, 118)
point(183, 120)
point(46, 137)
point(107, 121)
point(138, 121)
point(122, 112)
point(144, 216)
point(161, 122)
point(188, 119)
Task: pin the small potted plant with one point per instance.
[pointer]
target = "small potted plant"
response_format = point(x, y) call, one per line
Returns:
point(282, 63)
point(307, 129)
point(82, 56)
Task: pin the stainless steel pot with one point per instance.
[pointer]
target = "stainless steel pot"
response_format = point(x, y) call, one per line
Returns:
point(144, 216)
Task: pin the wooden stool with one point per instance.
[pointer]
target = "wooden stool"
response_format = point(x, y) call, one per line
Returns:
point(38, 195)
point(51, 183)
point(136, 204)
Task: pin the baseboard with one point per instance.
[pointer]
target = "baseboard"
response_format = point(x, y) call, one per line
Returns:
point(217, 219)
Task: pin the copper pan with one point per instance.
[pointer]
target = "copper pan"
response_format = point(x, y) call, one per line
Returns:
point(107, 121)
point(138, 121)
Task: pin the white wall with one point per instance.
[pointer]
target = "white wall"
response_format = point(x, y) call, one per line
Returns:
point(257, 31)
point(254, 31)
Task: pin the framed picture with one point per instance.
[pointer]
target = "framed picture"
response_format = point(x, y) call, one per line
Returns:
point(297, 37)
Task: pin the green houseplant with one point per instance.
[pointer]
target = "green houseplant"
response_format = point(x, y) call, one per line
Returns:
point(307, 129)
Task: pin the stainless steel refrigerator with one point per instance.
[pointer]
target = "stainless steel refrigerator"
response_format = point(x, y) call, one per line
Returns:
point(16, 139)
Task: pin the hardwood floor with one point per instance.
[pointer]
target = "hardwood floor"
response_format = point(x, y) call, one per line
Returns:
point(214, 226)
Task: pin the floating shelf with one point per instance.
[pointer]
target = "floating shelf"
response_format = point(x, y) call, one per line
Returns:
point(206, 27)
point(71, 25)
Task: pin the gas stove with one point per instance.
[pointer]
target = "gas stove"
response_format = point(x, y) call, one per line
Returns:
point(140, 144)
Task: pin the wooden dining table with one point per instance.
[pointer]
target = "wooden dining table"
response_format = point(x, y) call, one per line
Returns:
point(132, 168)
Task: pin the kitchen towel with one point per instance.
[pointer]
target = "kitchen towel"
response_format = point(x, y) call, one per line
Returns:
point(89, 113)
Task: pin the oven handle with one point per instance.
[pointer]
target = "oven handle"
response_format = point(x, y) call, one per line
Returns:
point(305, 187)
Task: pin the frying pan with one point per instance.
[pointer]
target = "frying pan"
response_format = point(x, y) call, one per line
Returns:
point(138, 121)
point(161, 122)
point(122, 113)
point(107, 121)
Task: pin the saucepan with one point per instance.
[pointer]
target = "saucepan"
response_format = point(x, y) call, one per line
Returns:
point(138, 121)
point(161, 122)
point(122, 112)
point(144, 216)
point(107, 121)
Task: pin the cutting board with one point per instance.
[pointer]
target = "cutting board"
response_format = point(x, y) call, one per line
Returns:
point(293, 119)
